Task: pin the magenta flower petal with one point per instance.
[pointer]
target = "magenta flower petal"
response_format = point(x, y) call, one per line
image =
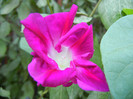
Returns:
point(38, 69)
point(60, 23)
point(37, 27)
point(61, 53)
point(48, 75)
point(83, 63)
point(40, 47)
point(84, 46)
point(73, 35)
point(60, 77)
point(91, 78)
point(68, 84)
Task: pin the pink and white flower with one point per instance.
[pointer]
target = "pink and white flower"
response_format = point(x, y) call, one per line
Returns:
point(62, 52)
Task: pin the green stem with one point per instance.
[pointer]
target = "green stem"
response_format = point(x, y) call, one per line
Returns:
point(49, 7)
point(95, 8)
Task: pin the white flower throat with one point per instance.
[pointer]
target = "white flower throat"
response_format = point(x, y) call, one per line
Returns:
point(62, 59)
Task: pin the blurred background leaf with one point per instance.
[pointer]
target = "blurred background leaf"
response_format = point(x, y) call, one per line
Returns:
point(9, 6)
point(4, 93)
point(82, 19)
point(28, 90)
point(3, 48)
point(74, 91)
point(97, 54)
point(100, 95)
point(110, 10)
point(24, 45)
point(59, 92)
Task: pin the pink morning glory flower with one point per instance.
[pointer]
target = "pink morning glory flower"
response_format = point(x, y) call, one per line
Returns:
point(62, 52)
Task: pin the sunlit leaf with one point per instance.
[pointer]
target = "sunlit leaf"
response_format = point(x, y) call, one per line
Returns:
point(41, 3)
point(127, 11)
point(82, 19)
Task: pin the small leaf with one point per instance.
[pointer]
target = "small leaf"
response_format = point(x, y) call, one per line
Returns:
point(82, 19)
point(80, 2)
point(55, 6)
point(7, 68)
point(3, 48)
point(44, 15)
point(9, 7)
point(81, 13)
point(24, 9)
point(59, 92)
point(22, 28)
point(24, 45)
point(41, 3)
point(4, 29)
point(4, 93)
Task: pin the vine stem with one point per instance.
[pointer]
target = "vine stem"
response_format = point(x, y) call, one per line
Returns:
point(95, 8)
point(49, 7)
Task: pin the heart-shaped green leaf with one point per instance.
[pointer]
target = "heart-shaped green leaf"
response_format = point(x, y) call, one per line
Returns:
point(117, 56)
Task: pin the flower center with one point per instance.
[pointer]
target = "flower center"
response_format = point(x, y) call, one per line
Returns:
point(63, 58)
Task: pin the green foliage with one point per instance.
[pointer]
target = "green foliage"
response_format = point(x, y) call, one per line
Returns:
point(24, 9)
point(24, 45)
point(25, 58)
point(110, 10)
point(99, 95)
point(117, 55)
point(82, 19)
point(4, 32)
point(116, 48)
point(127, 11)
point(3, 48)
point(59, 92)
point(4, 93)
point(97, 55)
point(41, 3)
point(28, 90)
point(74, 91)
point(9, 6)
